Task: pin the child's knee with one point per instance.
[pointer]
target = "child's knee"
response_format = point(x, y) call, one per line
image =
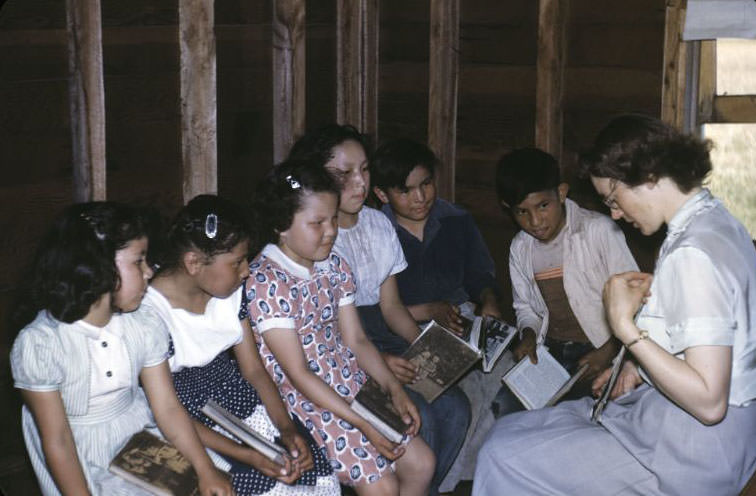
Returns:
point(387, 485)
point(420, 459)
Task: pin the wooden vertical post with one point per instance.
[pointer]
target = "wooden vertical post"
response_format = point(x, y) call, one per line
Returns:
point(707, 81)
point(553, 16)
point(199, 146)
point(673, 72)
point(87, 99)
point(442, 104)
point(357, 64)
point(288, 75)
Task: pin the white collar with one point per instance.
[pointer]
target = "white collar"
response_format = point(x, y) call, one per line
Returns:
point(89, 330)
point(275, 253)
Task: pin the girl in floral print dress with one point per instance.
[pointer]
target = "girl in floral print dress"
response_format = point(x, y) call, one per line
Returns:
point(301, 304)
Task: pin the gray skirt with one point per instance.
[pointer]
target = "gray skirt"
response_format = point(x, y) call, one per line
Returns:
point(645, 445)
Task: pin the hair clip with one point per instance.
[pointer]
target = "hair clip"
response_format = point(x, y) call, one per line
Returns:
point(94, 224)
point(211, 226)
point(293, 183)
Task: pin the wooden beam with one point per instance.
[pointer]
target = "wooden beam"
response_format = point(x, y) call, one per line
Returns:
point(673, 72)
point(707, 81)
point(288, 75)
point(357, 64)
point(553, 16)
point(199, 147)
point(87, 99)
point(443, 78)
point(734, 109)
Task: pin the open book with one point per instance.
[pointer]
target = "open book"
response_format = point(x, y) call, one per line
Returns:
point(491, 337)
point(375, 406)
point(442, 357)
point(243, 432)
point(156, 466)
point(541, 384)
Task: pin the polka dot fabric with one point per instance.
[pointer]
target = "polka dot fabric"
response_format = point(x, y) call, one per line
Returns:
point(222, 381)
point(310, 305)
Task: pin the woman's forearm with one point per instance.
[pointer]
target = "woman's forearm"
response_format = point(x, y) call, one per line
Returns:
point(699, 384)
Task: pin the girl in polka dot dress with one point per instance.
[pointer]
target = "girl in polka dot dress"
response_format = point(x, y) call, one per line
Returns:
point(301, 303)
point(198, 294)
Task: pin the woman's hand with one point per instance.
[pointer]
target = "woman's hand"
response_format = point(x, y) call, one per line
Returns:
point(628, 379)
point(406, 409)
point(404, 370)
point(298, 449)
point(623, 296)
point(213, 482)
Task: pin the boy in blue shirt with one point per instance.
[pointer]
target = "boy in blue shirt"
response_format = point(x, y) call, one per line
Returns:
point(449, 270)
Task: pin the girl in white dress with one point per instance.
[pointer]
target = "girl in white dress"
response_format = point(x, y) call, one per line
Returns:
point(79, 363)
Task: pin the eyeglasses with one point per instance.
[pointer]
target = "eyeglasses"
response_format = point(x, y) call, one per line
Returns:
point(610, 200)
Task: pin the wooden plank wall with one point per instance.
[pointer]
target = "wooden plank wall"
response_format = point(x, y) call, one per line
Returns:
point(613, 64)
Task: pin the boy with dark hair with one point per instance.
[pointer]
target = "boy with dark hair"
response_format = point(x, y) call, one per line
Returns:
point(449, 271)
point(558, 264)
point(448, 261)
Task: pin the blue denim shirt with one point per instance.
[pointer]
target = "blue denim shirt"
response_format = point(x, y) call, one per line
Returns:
point(451, 263)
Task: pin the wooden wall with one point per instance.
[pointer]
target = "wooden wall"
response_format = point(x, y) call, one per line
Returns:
point(614, 63)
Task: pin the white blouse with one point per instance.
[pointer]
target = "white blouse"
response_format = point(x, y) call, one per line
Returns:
point(704, 290)
point(373, 252)
point(199, 338)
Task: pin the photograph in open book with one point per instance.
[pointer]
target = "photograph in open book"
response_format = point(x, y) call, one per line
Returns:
point(496, 336)
point(441, 358)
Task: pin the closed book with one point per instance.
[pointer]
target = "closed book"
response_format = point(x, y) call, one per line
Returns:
point(243, 432)
point(156, 466)
point(375, 406)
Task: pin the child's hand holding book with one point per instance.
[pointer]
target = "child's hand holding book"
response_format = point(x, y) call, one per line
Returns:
point(297, 447)
point(406, 409)
point(404, 370)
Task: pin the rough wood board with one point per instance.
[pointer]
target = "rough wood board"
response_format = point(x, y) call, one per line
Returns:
point(550, 69)
point(442, 92)
point(198, 98)
point(86, 99)
point(288, 75)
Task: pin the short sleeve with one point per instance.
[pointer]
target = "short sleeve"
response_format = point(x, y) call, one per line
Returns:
point(155, 335)
point(35, 361)
point(345, 281)
point(399, 263)
point(697, 300)
point(273, 299)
